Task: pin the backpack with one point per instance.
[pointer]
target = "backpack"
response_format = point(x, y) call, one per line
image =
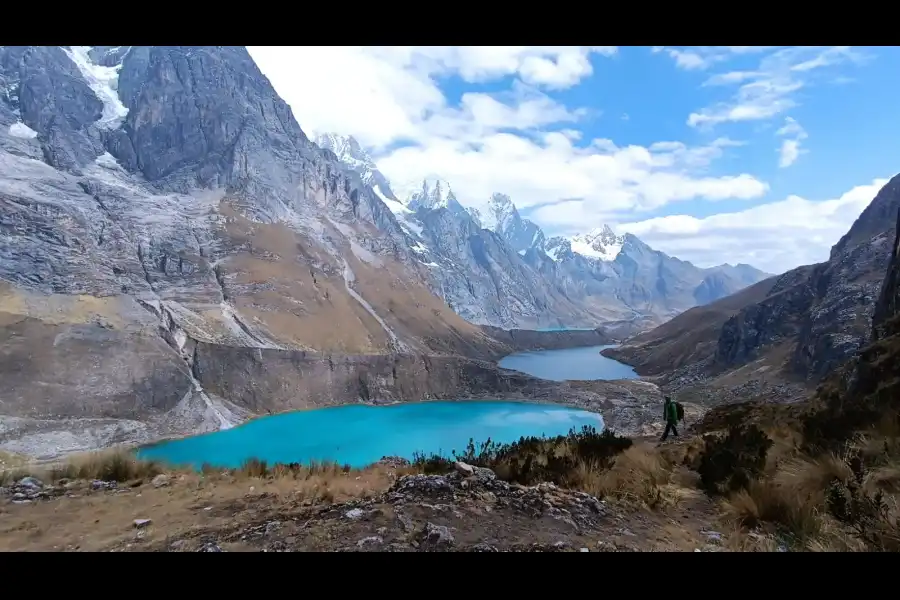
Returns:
point(679, 411)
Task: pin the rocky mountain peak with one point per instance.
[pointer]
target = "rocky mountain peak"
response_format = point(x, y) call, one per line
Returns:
point(501, 216)
point(601, 243)
point(499, 213)
point(875, 219)
point(434, 193)
point(558, 247)
point(349, 152)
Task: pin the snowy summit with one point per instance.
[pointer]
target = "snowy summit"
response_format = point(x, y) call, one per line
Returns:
point(601, 243)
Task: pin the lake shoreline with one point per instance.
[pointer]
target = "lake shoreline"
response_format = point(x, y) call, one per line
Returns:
point(360, 435)
point(569, 364)
point(377, 404)
point(309, 383)
point(574, 404)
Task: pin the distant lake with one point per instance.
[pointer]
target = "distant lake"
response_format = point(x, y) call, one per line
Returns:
point(568, 364)
point(359, 435)
point(565, 329)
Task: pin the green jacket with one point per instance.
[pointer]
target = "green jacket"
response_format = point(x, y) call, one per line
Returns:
point(670, 412)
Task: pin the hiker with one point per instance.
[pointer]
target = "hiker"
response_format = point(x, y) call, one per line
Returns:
point(670, 414)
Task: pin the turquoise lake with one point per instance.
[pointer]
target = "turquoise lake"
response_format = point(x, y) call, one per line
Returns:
point(568, 364)
point(360, 435)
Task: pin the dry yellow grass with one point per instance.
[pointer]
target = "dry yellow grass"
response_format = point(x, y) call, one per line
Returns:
point(640, 476)
point(652, 480)
point(57, 309)
point(768, 502)
point(91, 520)
point(115, 464)
point(792, 495)
point(9, 461)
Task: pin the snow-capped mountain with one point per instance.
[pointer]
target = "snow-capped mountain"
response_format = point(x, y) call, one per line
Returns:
point(475, 270)
point(600, 243)
point(519, 278)
point(432, 195)
point(502, 218)
point(165, 223)
point(350, 153)
point(599, 265)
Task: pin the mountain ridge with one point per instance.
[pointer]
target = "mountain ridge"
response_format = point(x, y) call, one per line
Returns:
point(568, 272)
point(501, 211)
point(785, 337)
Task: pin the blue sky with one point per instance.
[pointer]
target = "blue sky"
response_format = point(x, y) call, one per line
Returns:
point(718, 154)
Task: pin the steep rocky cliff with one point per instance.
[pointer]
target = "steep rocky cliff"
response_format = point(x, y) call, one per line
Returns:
point(808, 322)
point(154, 200)
point(888, 306)
point(864, 393)
point(828, 307)
point(876, 380)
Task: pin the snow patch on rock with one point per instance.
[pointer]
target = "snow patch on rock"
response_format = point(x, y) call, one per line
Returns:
point(104, 81)
point(23, 131)
point(601, 243)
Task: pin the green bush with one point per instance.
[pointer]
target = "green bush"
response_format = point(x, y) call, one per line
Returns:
point(729, 464)
point(535, 459)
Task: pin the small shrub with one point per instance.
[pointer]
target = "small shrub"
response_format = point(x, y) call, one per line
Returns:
point(640, 475)
point(768, 501)
point(434, 464)
point(253, 467)
point(729, 464)
point(533, 460)
point(119, 464)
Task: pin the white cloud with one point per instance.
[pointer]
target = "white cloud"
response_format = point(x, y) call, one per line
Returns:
point(790, 147)
point(383, 94)
point(703, 57)
point(775, 237)
point(788, 153)
point(549, 66)
point(602, 176)
point(520, 142)
point(524, 143)
point(769, 90)
point(688, 60)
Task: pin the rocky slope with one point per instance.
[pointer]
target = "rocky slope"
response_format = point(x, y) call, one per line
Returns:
point(520, 279)
point(176, 255)
point(155, 198)
point(864, 391)
point(874, 382)
point(802, 324)
point(478, 274)
point(526, 339)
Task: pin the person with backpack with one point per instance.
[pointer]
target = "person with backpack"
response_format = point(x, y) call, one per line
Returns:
point(672, 413)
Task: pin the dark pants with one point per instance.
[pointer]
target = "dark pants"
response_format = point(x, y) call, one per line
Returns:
point(670, 426)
